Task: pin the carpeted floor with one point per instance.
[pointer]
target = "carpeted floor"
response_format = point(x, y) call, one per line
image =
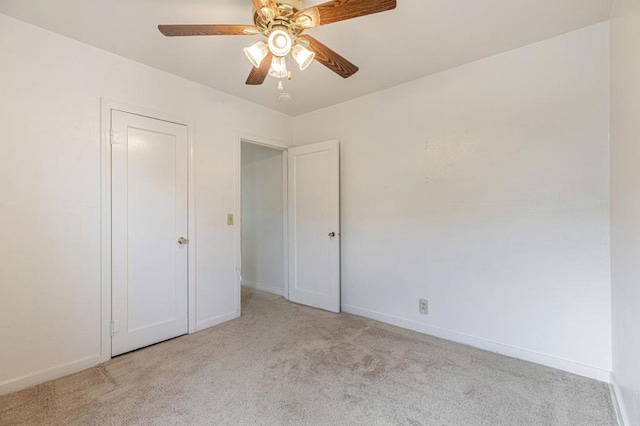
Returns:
point(287, 364)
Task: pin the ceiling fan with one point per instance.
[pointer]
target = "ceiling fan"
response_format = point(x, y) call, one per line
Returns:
point(283, 23)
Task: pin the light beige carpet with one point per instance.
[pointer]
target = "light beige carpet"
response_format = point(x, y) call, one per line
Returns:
point(287, 364)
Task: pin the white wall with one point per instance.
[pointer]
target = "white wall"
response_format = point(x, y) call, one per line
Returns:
point(262, 218)
point(480, 188)
point(50, 90)
point(484, 189)
point(625, 205)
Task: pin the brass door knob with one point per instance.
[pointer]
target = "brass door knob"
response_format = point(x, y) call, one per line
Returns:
point(182, 241)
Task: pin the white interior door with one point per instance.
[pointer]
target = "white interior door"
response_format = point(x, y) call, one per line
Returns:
point(314, 225)
point(149, 218)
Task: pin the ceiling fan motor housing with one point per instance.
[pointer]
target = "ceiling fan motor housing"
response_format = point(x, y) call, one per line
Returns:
point(295, 5)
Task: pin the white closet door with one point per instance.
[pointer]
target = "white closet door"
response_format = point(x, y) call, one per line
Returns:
point(314, 225)
point(149, 226)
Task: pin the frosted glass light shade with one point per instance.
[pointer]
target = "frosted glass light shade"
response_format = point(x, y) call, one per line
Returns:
point(278, 67)
point(257, 53)
point(280, 43)
point(303, 56)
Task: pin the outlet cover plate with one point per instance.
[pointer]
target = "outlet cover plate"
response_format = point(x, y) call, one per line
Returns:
point(424, 306)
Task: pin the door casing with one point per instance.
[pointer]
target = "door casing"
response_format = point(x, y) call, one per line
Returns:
point(105, 153)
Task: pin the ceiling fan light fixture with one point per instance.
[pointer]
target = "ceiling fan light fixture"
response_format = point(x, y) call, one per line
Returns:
point(282, 22)
point(278, 67)
point(280, 42)
point(303, 56)
point(256, 53)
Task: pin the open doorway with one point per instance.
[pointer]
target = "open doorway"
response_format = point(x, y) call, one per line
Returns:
point(288, 229)
point(263, 220)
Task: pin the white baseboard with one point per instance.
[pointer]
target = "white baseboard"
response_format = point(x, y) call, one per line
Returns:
point(210, 322)
point(618, 406)
point(58, 371)
point(51, 373)
point(262, 287)
point(489, 345)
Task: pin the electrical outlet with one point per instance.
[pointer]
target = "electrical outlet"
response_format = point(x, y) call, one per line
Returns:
point(424, 306)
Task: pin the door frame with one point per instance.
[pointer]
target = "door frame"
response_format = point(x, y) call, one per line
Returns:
point(106, 106)
point(280, 146)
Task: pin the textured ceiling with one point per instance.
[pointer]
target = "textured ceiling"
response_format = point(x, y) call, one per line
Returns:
point(419, 38)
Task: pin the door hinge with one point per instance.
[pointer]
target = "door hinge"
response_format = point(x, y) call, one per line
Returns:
point(115, 327)
point(114, 137)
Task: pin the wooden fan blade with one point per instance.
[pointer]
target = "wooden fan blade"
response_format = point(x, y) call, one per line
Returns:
point(205, 30)
point(330, 59)
point(339, 10)
point(257, 75)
